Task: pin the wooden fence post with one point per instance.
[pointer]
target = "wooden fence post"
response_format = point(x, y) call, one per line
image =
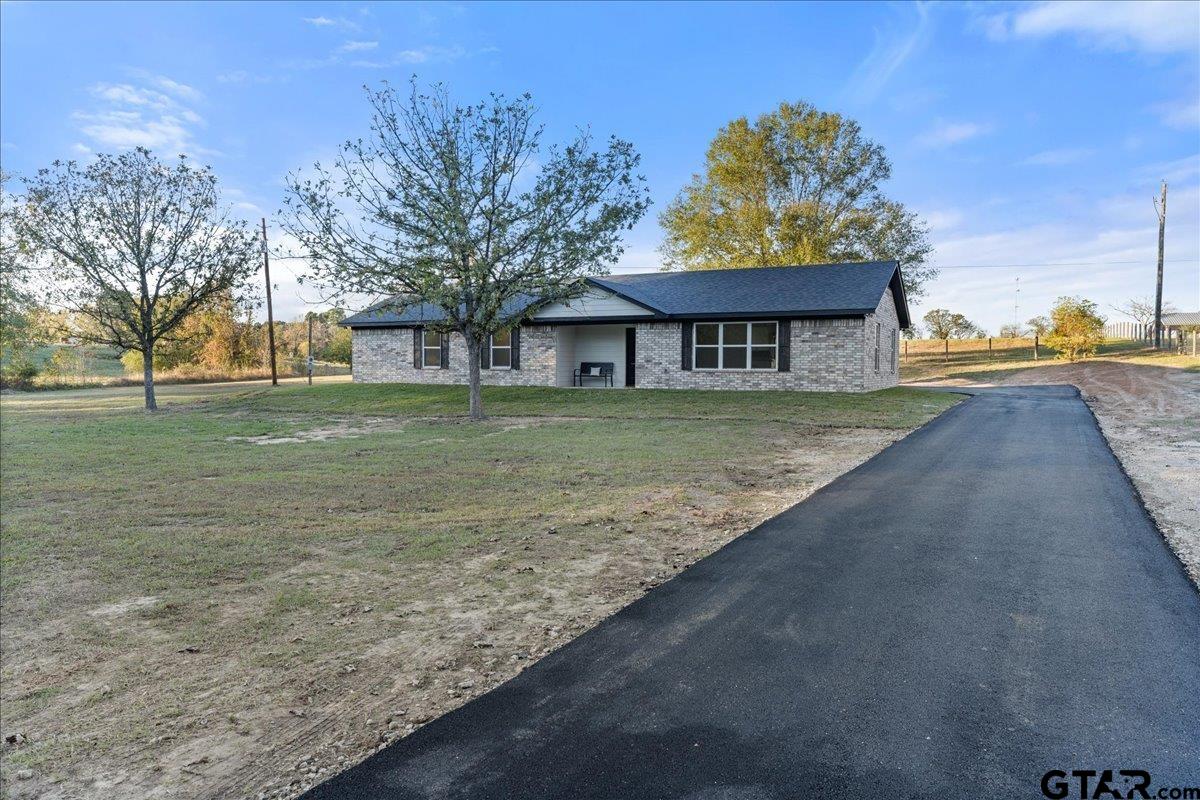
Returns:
point(989, 347)
point(1035, 347)
point(946, 352)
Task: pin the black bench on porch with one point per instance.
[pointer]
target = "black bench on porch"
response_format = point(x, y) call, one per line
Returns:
point(596, 370)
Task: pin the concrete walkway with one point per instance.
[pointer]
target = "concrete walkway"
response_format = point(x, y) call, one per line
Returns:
point(982, 602)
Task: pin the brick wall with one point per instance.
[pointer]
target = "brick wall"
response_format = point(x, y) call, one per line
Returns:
point(826, 356)
point(385, 355)
point(834, 355)
point(888, 373)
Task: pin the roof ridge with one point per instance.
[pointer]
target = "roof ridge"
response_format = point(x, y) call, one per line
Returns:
point(747, 269)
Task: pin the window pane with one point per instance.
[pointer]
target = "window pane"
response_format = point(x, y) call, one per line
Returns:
point(706, 334)
point(500, 357)
point(501, 338)
point(433, 357)
point(762, 357)
point(433, 339)
point(763, 333)
point(735, 357)
point(735, 333)
point(706, 358)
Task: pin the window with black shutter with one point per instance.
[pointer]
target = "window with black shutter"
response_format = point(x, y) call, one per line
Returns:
point(785, 345)
point(501, 347)
point(431, 349)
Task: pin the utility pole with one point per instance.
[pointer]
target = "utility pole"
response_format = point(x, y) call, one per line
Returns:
point(1160, 208)
point(270, 312)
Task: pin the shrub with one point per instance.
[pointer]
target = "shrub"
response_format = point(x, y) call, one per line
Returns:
point(18, 373)
point(1076, 330)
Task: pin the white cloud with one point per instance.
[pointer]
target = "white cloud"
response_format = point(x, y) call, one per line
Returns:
point(1183, 114)
point(1177, 171)
point(1058, 158)
point(151, 112)
point(130, 95)
point(357, 47)
point(180, 90)
point(420, 55)
point(889, 53)
point(945, 134)
point(340, 23)
point(1158, 26)
point(942, 220)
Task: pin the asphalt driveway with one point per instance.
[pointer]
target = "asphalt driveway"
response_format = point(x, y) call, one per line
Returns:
point(982, 602)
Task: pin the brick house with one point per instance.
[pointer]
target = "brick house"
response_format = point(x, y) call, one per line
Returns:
point(829, 327)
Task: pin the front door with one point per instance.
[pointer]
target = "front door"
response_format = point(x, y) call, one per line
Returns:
point(630, 354)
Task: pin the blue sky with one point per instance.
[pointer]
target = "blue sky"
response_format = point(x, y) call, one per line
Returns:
point(1025, 134)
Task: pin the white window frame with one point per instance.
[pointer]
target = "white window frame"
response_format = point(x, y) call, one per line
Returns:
point(426, 347)
point(492, 348)
point(749, 346)
point(895, 348)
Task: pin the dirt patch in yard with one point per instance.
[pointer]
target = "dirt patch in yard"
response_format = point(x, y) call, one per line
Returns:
point(244, 681)
point(1151, 418)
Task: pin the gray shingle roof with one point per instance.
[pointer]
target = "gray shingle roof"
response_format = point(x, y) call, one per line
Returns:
point(827, 290)
point(822, 289)
point(392, 312)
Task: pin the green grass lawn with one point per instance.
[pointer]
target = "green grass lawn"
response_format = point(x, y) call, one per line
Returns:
point(165, 579)
point(890, 408)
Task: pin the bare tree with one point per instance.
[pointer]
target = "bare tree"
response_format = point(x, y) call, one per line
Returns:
point(457, 207)
point(1040, 325)
point(1011, 331)
point(135, 246)
point(1141, 309)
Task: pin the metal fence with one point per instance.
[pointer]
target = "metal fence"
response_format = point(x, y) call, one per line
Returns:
point(1182, 341)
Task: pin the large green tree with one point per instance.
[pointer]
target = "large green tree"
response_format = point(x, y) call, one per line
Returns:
point(463, 208)
point(796, 186)
point(944, 324)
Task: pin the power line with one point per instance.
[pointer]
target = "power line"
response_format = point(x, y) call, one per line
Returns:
point(999, 266)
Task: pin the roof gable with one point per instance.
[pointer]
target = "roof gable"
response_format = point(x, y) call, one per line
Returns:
point(595, 302)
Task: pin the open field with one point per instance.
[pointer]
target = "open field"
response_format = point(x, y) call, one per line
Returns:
point(255, 587)
point(91, 367)
point(970, 359)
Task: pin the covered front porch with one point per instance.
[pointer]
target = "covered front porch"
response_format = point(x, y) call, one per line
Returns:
point(576, 345)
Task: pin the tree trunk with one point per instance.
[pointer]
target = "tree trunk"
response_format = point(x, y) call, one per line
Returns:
point(473, 378)
point(148, 378)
